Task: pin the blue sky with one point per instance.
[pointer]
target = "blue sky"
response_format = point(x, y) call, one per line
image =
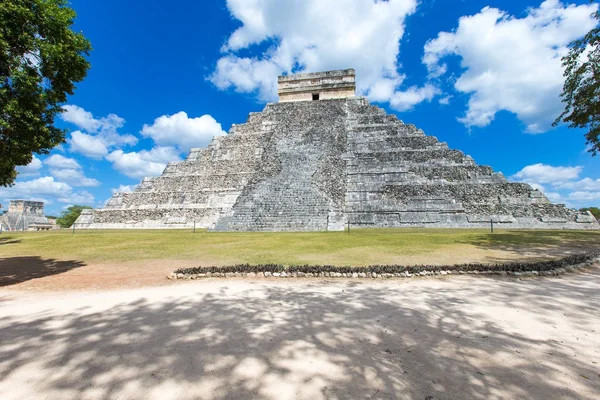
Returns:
point(483, 76)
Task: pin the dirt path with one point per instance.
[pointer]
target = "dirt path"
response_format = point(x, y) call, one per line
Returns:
point(458, 338)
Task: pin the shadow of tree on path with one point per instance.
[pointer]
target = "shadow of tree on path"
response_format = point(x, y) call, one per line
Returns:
point(277, 341)
point(15, 270)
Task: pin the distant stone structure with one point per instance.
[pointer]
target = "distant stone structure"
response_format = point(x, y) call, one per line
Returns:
point(53, 223)
point(25, 215)
point(322, 158)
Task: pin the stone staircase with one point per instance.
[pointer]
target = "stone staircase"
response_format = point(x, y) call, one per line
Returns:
point(287, 193)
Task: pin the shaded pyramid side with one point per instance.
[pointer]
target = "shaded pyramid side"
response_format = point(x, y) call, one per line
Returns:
point(400, 177)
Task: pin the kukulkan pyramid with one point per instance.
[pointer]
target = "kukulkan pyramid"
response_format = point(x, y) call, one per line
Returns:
point(321, 158)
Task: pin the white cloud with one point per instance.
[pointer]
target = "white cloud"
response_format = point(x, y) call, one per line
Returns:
point(247, 75)
point(100, 134)
point(445, 100)
point(542, 173)
point(45, 189)
point(58, 161)
point(537, 186)
point(31, 169)
point(406, 100)
point(554, 197)
point(80, 117)
point(74, 177)
point(172, 134)
point(318, 35)
point(184, 132)
point(562, 184)
point(45, 186)
point(510, 63)
point(585, 184)
point(81, 198)
point(143, 163)
point(88, 145)
point(124, 189)
point(69, 170)
point(584, 196)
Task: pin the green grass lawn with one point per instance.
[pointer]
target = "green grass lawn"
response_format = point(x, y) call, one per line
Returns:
point(360, 247)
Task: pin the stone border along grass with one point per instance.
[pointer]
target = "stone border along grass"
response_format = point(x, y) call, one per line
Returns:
point(550, 267)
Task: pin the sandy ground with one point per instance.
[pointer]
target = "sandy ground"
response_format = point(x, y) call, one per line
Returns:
point(453, 338)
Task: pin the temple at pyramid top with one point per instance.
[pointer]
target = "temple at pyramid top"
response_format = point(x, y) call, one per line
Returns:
point(339, 84)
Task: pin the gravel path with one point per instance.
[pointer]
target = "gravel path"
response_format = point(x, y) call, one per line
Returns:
point(454, 338)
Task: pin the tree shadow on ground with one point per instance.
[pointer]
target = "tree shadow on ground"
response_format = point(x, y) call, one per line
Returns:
point(370, 341)
point(15, 270)
point(537, 244)
point(9, 240)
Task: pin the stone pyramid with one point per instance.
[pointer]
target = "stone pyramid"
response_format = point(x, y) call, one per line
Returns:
point(322, 158)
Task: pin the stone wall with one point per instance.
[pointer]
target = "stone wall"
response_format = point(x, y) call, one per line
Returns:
point(320, 165)
point(24, 215)
point(26, 207)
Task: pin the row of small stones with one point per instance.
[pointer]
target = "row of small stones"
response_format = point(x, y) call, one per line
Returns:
point(554, 272)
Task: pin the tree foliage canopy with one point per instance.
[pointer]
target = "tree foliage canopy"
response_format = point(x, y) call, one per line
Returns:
point(581, 91)
point(41, 59)
point(70, 215)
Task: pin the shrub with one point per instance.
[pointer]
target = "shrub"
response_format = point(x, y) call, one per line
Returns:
point(539, 266)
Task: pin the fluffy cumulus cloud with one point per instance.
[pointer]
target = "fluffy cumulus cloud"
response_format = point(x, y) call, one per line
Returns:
point(45, 189)
point(511, 63)
point(88, 145)
point(80, 117)
point(585, 196)
point(541, 173)
point(68, 170)
point(406, 100)
point(58, 161)
point(99, 138)
point(562, 184)
point(183, 132)
point(74, 176)
point(318, 35)
point(96, 135)
point(45, 186)
point(31, 169)
point(587, 184)
point(143, 163)
point(123, 189)
point(80, 198)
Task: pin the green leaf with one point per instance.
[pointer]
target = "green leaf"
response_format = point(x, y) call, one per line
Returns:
point(41, 59)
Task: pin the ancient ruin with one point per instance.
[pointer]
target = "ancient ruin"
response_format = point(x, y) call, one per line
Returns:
point(320, 159)
point(25, 215)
